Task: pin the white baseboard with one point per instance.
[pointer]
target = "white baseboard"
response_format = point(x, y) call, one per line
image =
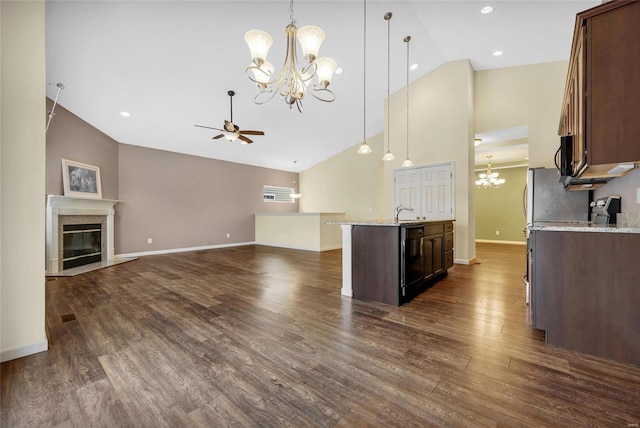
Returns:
point(471, 261)
point(490, 241)
point(23, 351)
point(182, 250)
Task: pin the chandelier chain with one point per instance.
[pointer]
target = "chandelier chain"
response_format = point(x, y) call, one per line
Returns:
point(407, 39)
point(388, 18)
point(291, 18)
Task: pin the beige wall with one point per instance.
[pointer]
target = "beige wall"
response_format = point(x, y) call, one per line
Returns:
point(70, 137)
point(183, 201)
point(501, 209)
point(525, 95)
point(302, 231)
point(347, 182)
point(22, 177)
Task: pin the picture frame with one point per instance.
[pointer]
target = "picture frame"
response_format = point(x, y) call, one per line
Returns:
point(81, 180)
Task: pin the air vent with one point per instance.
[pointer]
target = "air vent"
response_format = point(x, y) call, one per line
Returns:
point(68, 317)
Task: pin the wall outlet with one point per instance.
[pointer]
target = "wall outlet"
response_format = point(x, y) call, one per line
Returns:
point(228, 235)
point(149, 240)
point(638, 195)
point(497, 232)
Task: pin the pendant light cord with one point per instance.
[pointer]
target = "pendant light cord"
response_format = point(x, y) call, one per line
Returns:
point(407, 40)
point(364, 77)
point(388, 16)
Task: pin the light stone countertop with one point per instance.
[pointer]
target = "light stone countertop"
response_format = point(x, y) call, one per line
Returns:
point(384, 222)
point(584, 226)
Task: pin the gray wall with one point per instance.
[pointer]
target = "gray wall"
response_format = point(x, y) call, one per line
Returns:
point(625, 187)
point(72, 138)
point(179, 201)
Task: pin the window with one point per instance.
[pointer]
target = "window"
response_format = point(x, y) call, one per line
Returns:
point(278, 194)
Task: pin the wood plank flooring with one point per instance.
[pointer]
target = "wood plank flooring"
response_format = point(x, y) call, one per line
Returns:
point(259, 336)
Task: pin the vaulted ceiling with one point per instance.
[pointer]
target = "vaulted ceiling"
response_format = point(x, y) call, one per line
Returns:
point(170, 65)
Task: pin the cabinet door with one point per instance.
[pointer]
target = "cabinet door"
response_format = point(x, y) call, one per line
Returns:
point(612, 69)
point(437, 192)
point(577, 111)
point(438, 254)
point(407, 192)
point(427, 247)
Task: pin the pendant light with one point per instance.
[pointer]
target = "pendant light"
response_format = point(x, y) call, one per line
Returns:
point(388, 156)
point(364, 148)
point(407, 162)
point(294, 194)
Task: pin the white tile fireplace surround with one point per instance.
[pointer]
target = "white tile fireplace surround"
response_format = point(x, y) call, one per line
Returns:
point(63, 210)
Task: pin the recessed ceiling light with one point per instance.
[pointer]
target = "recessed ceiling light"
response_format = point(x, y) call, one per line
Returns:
point(338, 70)
point(497, 53)
point(124, 114)
point(413, 67)
point(485, 10)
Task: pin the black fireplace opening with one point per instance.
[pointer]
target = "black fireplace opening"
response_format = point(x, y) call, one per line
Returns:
point(82, 244)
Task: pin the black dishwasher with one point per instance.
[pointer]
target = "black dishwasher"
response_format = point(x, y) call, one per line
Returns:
point(412, 259)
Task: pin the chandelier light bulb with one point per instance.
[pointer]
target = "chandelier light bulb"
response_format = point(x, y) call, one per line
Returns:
point(310, 38)
point(259, 44)
point(326, 67)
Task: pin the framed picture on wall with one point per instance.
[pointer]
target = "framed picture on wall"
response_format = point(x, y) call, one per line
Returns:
point(81, 180)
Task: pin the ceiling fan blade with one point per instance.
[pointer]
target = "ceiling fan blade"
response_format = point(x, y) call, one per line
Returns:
point(251, 132)
point(245, 139)
point(217, 136)
point(208, 127)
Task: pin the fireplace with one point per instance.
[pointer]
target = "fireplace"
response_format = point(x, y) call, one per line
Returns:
point(81, 244)
point(79, 232)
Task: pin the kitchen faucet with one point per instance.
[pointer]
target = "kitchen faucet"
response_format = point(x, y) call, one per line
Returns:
point(399, 209)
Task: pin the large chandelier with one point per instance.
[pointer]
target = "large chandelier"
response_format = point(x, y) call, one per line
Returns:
point(292, 82)
point(490, 180)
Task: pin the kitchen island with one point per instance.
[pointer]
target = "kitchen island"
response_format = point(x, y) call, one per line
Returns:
point(390, 262)
point(585, 287)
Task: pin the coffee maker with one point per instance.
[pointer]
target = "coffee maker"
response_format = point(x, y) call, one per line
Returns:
point(605, 210)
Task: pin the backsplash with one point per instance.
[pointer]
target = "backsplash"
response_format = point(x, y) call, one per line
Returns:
point(625, 187)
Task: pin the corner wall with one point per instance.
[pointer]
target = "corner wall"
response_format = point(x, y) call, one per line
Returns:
point(22, 178)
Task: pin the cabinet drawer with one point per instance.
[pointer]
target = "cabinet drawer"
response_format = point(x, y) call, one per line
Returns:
point(432, 229)
point(448, 241)
point(448, 227)
point(448, 259)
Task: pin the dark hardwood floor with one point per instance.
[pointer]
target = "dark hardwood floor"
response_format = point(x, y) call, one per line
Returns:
point(259, 336)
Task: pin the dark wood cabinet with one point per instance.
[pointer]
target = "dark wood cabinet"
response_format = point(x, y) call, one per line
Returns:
point(585, 293)
point(601, 104)
point(376, 260)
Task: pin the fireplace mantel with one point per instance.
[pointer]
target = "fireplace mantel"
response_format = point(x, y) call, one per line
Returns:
point(58, 205)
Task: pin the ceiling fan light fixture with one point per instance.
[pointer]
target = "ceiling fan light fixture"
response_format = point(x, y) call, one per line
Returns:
point(231, 136)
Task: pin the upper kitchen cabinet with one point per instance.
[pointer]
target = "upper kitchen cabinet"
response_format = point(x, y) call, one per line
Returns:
point(427, 192)
point(601, 107)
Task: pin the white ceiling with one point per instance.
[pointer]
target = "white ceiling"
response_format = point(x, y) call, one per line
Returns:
point(170, 65)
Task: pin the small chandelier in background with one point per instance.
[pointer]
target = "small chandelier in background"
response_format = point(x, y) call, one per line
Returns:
point(388, 156)
point(364, 148)
point(294, 192)
point(407, 162)
point(291, 82)
point(490, 180)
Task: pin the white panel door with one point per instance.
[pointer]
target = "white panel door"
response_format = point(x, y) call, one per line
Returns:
point(437, 192)
point(407, 192)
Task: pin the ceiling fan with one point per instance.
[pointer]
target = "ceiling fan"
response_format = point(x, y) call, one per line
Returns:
point(230, 130)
